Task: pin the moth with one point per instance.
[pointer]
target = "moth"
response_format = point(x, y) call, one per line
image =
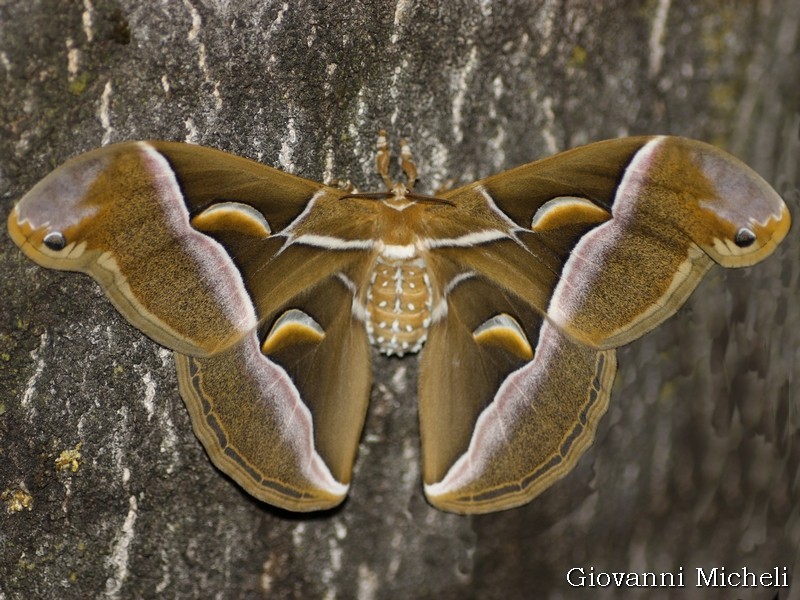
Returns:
point(271, 289)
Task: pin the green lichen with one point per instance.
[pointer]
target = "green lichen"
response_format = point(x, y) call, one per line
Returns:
point(78, 85)
point(69, 460)
point(16, 500)
point(579, 56)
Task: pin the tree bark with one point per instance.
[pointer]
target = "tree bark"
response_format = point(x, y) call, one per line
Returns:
point(694, 466)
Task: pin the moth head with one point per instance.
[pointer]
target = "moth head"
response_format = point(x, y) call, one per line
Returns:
point(742, 218)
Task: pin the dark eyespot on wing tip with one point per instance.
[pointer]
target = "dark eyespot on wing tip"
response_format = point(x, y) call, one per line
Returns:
point(744, 238)
point(55, 240)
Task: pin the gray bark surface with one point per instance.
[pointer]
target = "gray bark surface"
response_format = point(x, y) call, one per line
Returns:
point(696, 462)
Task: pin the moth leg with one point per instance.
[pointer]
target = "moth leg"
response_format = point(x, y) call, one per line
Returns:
point(382, 159)
point(343, 184)
point(407, 163)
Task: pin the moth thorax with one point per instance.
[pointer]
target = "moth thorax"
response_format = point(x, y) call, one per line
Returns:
point(398, 305)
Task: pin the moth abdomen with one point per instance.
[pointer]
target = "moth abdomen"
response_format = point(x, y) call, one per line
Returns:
point(398, 305)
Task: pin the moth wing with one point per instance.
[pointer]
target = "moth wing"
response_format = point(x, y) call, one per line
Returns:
point(283, 416)
point(508, 402)
point(572, 257)
point(123, 215)
point(194, 247)
point(676, 205)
